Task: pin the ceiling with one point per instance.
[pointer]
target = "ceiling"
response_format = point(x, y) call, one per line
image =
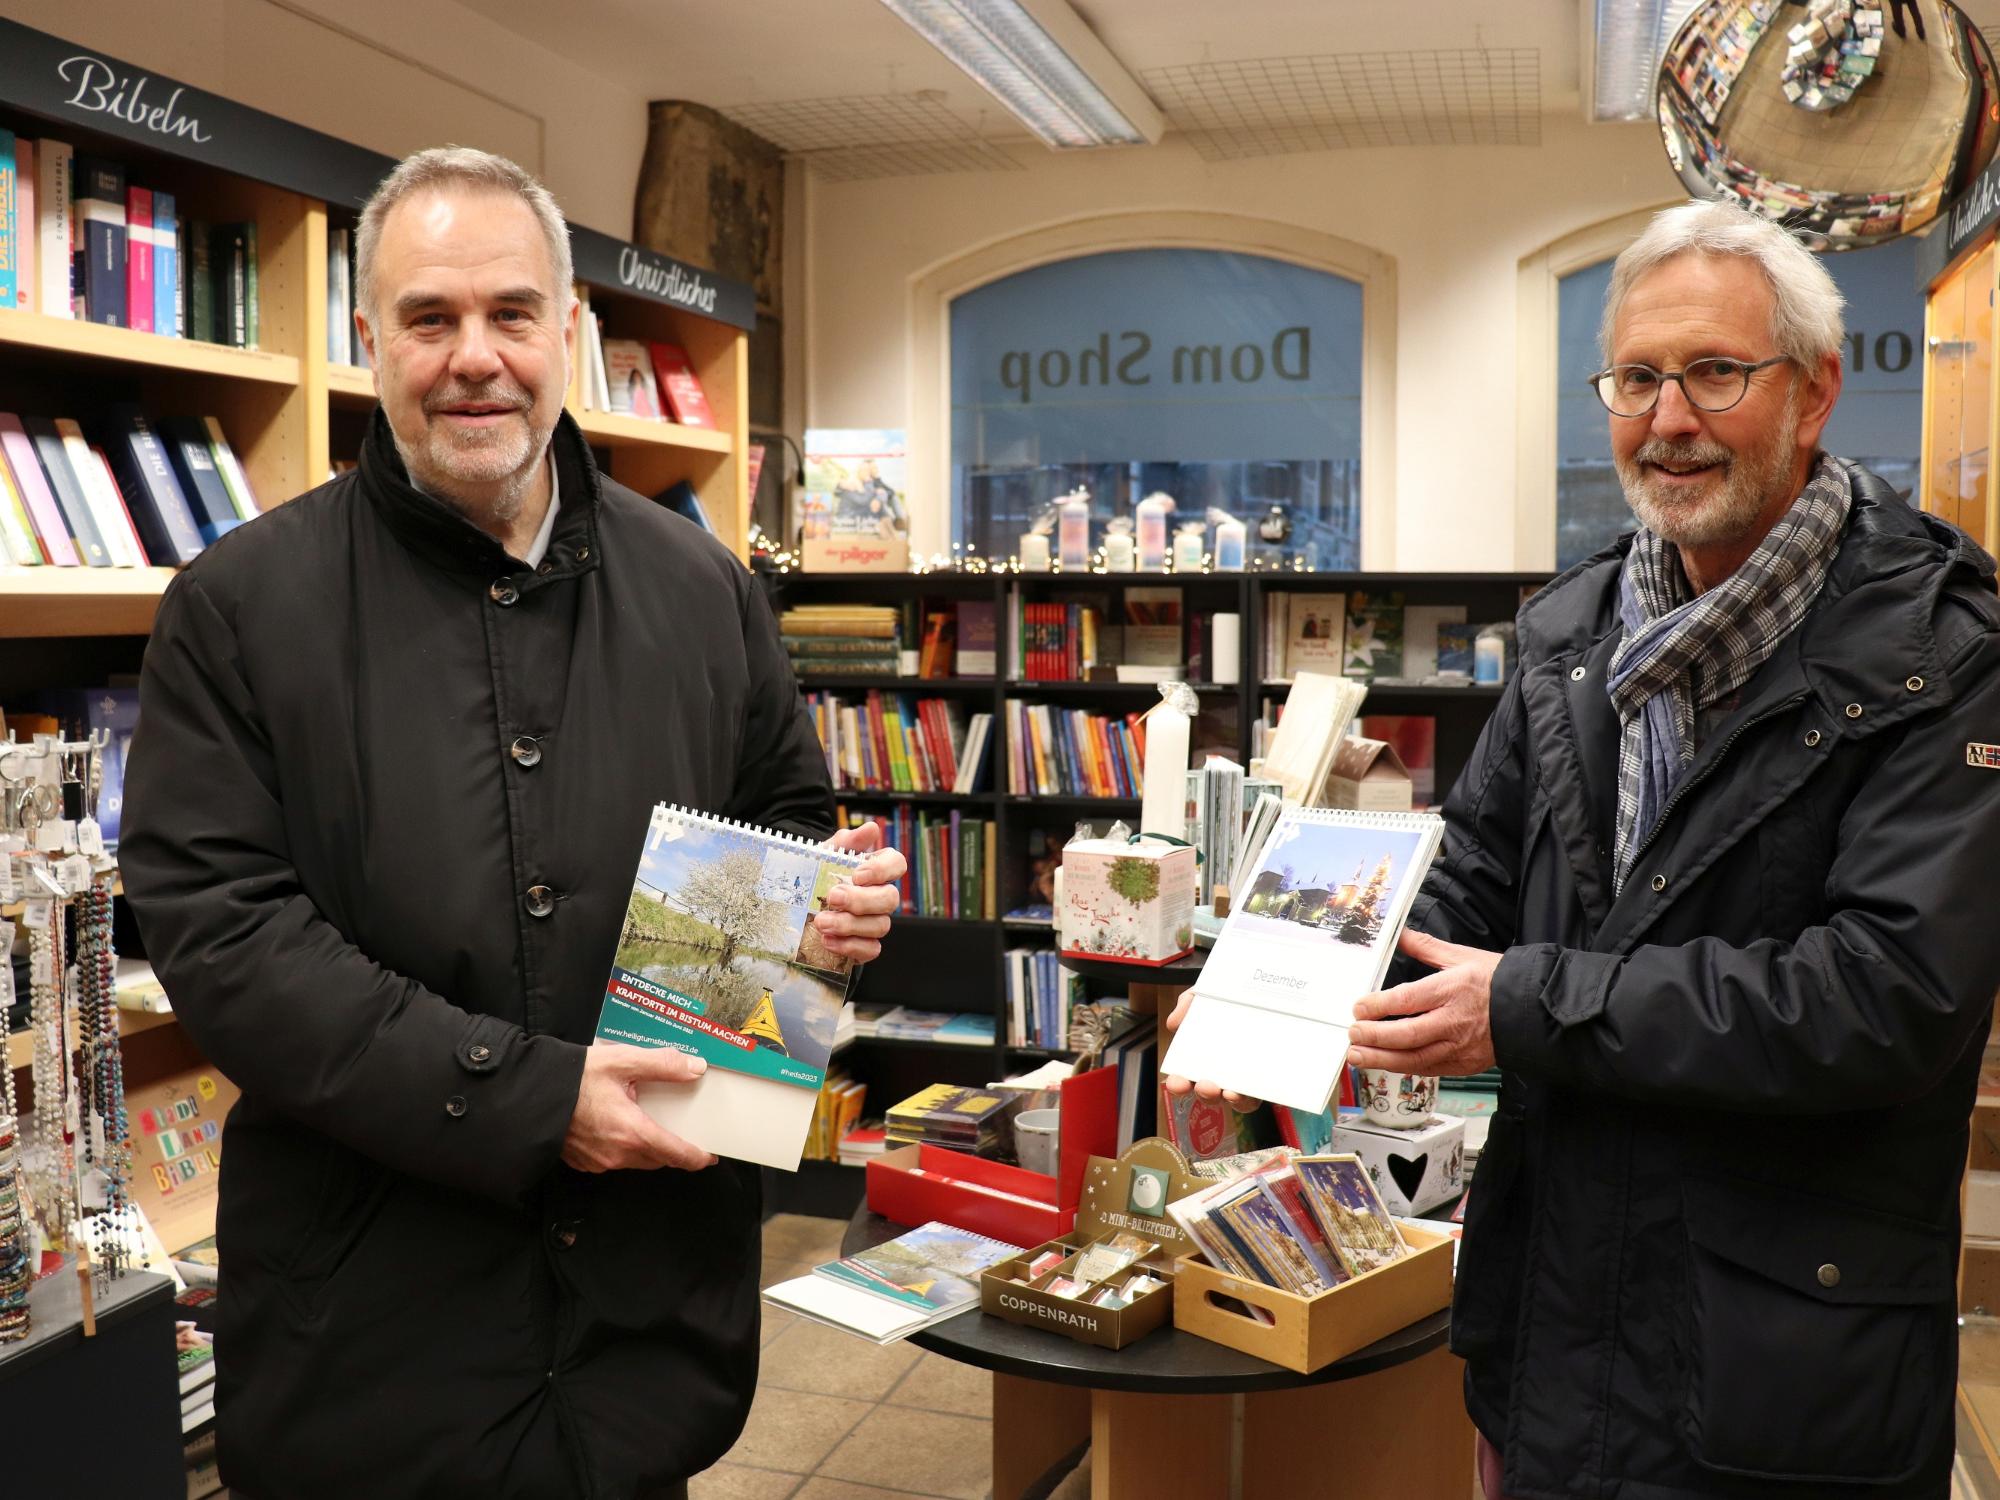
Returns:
point(850, 84)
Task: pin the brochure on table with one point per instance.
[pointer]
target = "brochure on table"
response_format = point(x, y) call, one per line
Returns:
point(1313, 931)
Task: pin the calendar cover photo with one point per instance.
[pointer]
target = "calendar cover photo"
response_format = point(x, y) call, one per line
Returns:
point(718, 956)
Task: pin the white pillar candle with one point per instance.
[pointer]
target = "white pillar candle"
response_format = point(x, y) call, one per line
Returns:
point(1118, 552)
point(1164, 806)
point(1188, 548)
point(1226, 649)
point(1034, 552)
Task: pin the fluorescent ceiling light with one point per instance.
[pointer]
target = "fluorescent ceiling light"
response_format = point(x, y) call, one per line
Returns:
point(1632, 36)
point(1039, 60)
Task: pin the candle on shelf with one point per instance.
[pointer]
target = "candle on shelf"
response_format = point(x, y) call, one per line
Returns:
point(1227, 650)
point(1189, 544)
point(1034, 552)
point(1153, 532)
point(1163, 808)
point(1118, 548)
point(1073, 511)
point(1231, 541)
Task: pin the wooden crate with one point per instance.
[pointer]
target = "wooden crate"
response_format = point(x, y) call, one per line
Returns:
point(1309, 1333)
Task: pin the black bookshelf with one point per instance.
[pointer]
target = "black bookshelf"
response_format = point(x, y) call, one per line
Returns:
point(955, 964)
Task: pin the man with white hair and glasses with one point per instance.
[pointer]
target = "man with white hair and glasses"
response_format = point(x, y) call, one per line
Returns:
point(1715, 897)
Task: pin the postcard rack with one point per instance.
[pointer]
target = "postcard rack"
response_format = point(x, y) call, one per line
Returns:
point(64, 1174)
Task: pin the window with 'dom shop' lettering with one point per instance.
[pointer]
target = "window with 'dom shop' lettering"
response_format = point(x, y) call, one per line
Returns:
point(1225, 380)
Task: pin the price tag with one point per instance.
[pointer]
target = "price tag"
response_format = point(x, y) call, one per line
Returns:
point(90, 837)
point(10, 889)
point(55, 836)
point(76, 874)
point(35, 916)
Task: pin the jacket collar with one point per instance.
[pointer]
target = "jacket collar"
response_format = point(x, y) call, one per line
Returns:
point(434, 531)
point(1865, 639)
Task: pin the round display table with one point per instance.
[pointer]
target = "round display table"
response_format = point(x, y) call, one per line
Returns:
point(1175, 1417)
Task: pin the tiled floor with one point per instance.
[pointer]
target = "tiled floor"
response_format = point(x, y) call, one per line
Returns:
point(839, 1419)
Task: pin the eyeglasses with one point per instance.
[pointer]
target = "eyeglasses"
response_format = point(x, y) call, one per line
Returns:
point(1709, 384)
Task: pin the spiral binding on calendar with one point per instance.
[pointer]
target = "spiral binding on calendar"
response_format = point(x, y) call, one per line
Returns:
point(678, 813)
point(1414, 822)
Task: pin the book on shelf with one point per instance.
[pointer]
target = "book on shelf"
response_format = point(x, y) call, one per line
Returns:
point(166, 265)
point(1073, 752)
point(145, 474)
point(939, 653)
point(680, 498)
point(890, 742)
point(835, 1112)
point(628, 373)
point(55, 245)
point(100, 495)
point(24, 470)
point(599, 397)
point(27, 226)
point(233, 478)
point(1304, 633)
point(978, 654)
point(10, 222)
point(1312, 931)
point(191, 450)
point(719, 957)
point(1374, 644)
point(1455, 649)
point(1423, 625)
point(1041, 998)
point(893, 1289)
point(101, 239)
point(198, 284)
point(679, 387)
point(77, 516)
point(952, 860)
point(18, 543)
point(139, 247)
point(863, 1143)
point(1152, 627)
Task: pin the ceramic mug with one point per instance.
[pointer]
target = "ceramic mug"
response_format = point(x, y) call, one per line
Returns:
point(1037, 1140)
point(1396, 1101)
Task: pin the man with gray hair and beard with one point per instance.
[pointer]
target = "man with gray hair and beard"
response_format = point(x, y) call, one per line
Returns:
point(1715, 895)
point(400, 741)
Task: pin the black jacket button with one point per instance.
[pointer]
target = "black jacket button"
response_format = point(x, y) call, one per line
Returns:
point(455, 1105)
point(504, 594)
point(1659, 882)
point(540, 901)
point(527, 752)
point(1829, 1275)
point(562, 1233)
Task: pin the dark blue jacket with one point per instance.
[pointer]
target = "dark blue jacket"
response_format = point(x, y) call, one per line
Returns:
point(1712, 1240)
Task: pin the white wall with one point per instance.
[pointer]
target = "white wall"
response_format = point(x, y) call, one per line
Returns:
point(391, 75)
point(1456, 220)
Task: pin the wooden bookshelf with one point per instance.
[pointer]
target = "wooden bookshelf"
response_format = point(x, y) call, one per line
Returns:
point(350, 385)
point(70, 339)
point(610, 429)
point(44, 602)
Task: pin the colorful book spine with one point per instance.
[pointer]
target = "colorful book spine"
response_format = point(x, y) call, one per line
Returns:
point(233, 478)
point(100, 213)
point(17, 532)
point(139, 258)
point(193, 459)
point(166, 266)
point(107, 509)
point(10, 221)
point(27, 226)
point(680, 387)
point(17, 454)
point(65, 485)
point(55, 187)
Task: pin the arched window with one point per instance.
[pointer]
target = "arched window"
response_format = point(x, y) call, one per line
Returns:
point(1223, 378)
point(1878, 423)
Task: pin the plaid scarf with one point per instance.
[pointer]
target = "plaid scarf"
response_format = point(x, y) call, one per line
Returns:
point(1683, 653)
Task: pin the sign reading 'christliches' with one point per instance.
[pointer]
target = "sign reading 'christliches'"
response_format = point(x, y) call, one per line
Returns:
point(61, 81)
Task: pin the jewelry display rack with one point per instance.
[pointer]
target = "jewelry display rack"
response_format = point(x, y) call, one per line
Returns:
point(65, 1172)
